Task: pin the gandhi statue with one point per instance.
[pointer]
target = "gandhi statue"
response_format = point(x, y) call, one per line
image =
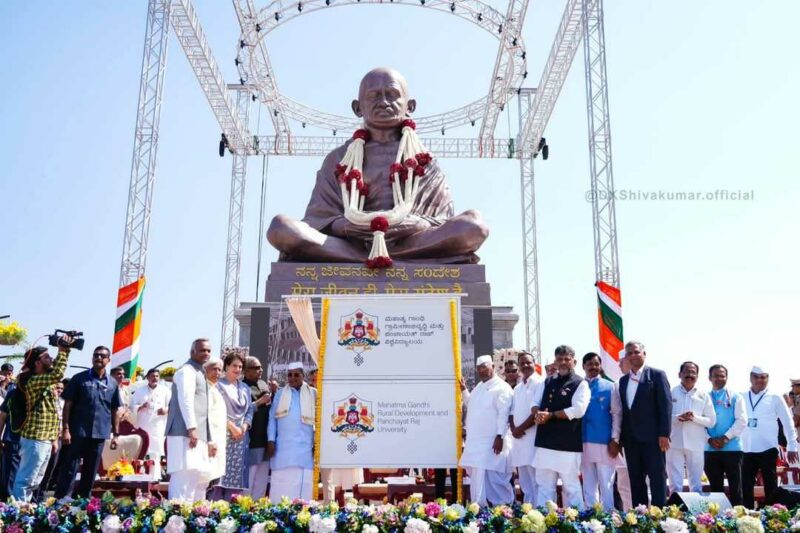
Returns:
point(430, 233)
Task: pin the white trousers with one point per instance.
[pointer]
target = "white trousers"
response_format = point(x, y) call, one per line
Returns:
point(258, 479)
point(527, 482)
point(676, 459)
point(598, 477)
point(490, 486)
point(188, 485)
point(292, 482)
point(624, 487)
point(571, 494)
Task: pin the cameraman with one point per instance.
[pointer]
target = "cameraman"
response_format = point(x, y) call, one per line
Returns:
point(40, 429)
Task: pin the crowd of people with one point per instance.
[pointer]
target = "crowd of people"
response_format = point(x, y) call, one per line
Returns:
point(639, 435)
point(220, 429)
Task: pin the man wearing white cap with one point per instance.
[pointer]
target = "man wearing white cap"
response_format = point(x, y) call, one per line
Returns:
point(760, 437)
point(290, 437)
point(486, 450)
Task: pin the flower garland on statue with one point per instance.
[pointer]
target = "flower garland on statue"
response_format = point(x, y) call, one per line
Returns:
point(404, 176)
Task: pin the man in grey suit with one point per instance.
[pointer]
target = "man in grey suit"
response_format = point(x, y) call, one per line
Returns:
point(187, 427)
point(646, 425)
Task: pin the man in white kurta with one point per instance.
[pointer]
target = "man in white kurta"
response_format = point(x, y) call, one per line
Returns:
point(692, 414)
point(561, 402)
point(523, 428)
point(760, 438)
point(151, 404)
point(187, 428)
point(290, 438)
point(488, 441)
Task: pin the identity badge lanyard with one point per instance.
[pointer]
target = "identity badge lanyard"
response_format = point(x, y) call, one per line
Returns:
point(753, 422)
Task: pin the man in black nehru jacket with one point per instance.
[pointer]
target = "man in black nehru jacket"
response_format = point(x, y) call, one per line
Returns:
point(561, 401)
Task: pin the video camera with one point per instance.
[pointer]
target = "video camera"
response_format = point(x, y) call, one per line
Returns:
point(56, 339)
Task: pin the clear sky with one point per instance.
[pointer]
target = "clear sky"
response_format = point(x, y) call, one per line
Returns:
point(703, 97)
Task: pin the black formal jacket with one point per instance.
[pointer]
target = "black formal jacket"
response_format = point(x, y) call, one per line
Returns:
point(650, 416)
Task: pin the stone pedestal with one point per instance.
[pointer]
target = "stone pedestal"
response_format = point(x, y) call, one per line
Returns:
point(267, 327)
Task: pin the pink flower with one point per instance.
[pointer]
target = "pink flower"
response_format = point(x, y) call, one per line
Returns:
point(433, 509)
point(94, 505)
point(705, 519)
point(202, 510)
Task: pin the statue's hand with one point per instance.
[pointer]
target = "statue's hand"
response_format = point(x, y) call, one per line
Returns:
point(411, 224)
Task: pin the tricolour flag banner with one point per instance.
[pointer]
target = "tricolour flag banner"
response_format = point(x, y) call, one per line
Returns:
point(125, 352)
point(609, 318)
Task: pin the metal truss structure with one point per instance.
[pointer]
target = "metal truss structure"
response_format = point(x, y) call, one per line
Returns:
point(145, 142)
point(582, 20)
point(509, 72)
point(530, 260)
point(606, 258)
point(233, 260)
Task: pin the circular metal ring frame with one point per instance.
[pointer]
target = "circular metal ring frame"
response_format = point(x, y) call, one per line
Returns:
point(254, 68)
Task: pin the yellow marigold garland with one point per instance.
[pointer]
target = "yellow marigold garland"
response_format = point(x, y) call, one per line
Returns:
point(323, 337)
point(455, 335)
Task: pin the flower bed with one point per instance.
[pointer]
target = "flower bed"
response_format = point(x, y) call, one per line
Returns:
point(244, 515)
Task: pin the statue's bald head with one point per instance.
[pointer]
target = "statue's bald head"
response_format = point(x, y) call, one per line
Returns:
point(382, 76)
point(383, 100)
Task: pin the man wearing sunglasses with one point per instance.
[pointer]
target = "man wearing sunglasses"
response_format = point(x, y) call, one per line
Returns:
point(257, 458)
point(91, 403)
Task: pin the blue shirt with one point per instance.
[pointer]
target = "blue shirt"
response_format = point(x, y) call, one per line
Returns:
point(93, 400)
point(294, 440)
point(725, 407)
point(8, 435)
point(597, 419)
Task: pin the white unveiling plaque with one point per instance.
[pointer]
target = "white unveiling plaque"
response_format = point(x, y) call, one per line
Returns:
point(389, 394)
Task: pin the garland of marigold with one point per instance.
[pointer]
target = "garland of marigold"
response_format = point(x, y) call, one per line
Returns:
point(455, 335)
point(323, 337)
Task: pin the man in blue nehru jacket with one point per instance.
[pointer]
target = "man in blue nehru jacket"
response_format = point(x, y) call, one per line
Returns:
point(723, 456)
point(646, 425)
point(560, 403)
point(601, 428)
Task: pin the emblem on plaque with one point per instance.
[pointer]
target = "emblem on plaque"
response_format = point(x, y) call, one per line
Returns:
point(352, 419)
point(359, 332)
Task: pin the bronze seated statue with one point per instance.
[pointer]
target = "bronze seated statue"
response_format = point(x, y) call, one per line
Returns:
point(429, 232)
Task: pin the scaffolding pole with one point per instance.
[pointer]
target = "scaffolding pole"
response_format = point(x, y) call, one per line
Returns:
point(604, 219)
point(530, 262)
point(145, 142)
point(233, 256)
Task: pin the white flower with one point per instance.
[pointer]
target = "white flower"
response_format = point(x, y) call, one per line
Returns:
point(471, 528)
point(415, 525)
point(227, 525)
point(261, 527)
point(369, 528)
point(749, 524)
point(795, 527)
point(175, 524)
point(673, 525)
point(317, 524)
point(111, 524)
point(594, 525)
